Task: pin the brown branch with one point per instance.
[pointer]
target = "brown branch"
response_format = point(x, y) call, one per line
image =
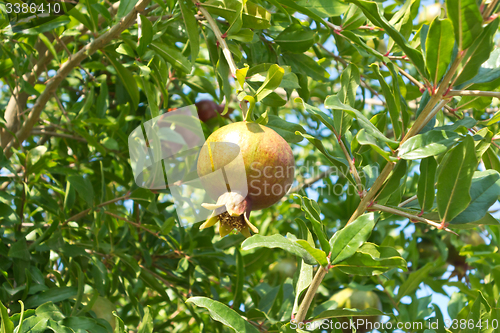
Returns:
point(60, 135)
point(411, 78)
point(18, 98)
point(131, 222)
point(411, 217)
point(86, 211)
point(474, 93)
point(67, 67)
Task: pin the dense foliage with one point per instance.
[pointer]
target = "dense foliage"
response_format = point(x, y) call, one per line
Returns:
point(391, 110)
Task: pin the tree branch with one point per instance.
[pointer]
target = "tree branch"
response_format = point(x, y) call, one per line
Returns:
point(66, 68)
point(474, 93)
point(410, 216)
point(18, 98)
point(310, 293)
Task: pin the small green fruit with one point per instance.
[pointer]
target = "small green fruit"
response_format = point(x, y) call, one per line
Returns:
point(349, 298)
point(103, 308)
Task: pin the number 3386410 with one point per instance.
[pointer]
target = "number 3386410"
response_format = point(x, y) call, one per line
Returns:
point(33, 8)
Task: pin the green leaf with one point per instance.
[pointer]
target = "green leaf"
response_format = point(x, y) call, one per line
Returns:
point(84, 188)
point(78, 324)
point(333, 102)
point(7, 325)
point(47, 26)
point(51, 295)
point(146, 325)
point(371, 259)
point(273, 80)
point(172, 56)
point(304, 64)
point(347, 313)
point(431, 143)
point(312, 210)
point(425, 190)
point(286, 129)
point(295, 38)
point(244, 35)
point(394, 183)
point(192, 29)
point(467, 21)
point(365, 139)
point(35, 324)
point(319, 255)
point(102, 103)
point(49, 311)
point(353, 18)
point(146, 36)
point(81, 285)
point(239, 279)
point(278, 241)
point(253, 16)
point(390, 101)
point(222, 313)
point(350, 81)
point(454, 179)
point(6, 66)
point(413, 281)
point(324, 8)
point(49, 45)
point(274, 100)
point(151, 94)
point(439, 46)
point(127, 80)
point(19, 250)
point(484, 192)
point(125, 7)
point(478, 52)
point(491, 160)
point(348, 240)
point(373, 12)
point(19, 328)
point(305, 275)
point(340, 163)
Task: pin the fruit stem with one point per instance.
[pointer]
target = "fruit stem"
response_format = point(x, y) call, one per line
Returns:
point(311, 292)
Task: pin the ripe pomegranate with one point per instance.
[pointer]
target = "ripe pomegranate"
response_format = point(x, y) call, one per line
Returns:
point(268, 166)
point(358, 299)
point(208, 109)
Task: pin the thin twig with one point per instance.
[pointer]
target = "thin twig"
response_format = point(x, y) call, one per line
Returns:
point(131, 222)
point(411, 78)
point(407, 201)
point(474, 93)
point(78, 216)
point(410, 216)
point(310, 293)
point(225, 49)
point(60, 135)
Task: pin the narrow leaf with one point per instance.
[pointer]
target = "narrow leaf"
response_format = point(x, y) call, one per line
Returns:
point(454, 180)
point(347, 241)
point(222, 313)
point(439, 46)
point(425, 189)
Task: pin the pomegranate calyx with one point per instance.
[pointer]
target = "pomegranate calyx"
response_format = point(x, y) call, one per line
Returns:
point(232, 210)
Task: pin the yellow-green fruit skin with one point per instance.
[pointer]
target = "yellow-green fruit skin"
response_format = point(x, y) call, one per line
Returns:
point(268, 161)
point(103, 308)
point(349, 298)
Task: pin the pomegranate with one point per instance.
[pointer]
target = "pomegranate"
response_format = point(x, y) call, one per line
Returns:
point(358, 299)
point(208, 109)
point(268, 166)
